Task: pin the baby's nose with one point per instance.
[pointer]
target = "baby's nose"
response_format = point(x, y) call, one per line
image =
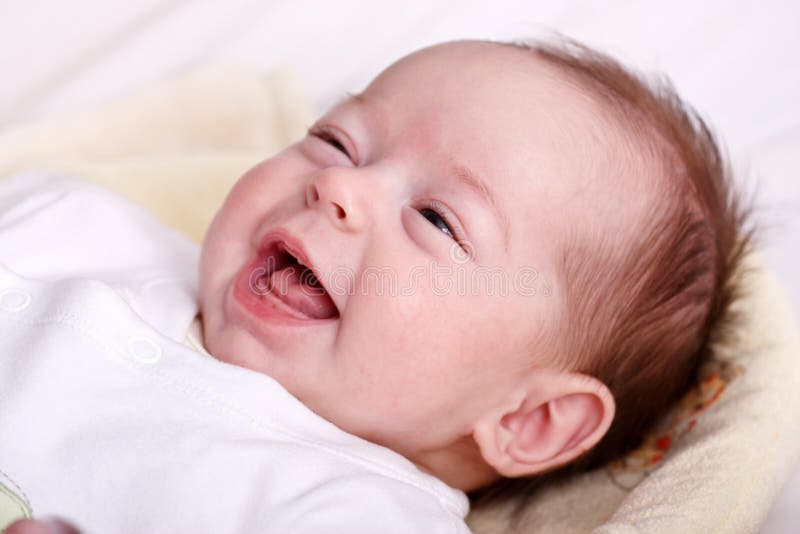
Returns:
point(337, 192)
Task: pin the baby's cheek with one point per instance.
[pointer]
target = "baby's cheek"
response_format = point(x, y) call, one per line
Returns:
point(387, 322)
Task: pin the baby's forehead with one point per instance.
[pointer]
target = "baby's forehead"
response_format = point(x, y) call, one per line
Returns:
point(501, 100)
point(495, 95)
point(462, 71)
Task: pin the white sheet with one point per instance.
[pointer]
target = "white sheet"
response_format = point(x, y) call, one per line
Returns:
point(736, 61)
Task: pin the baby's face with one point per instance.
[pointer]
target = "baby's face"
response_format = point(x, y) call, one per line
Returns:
point(452, 175)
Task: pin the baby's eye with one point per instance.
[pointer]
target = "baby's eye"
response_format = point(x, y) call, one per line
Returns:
point(442, 217)
point(438, 221)
point(329, 136)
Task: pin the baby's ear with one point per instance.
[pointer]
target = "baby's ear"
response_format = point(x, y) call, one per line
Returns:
point(553, 419)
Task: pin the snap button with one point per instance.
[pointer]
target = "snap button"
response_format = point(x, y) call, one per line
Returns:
point(144, 350)
point(14, 300)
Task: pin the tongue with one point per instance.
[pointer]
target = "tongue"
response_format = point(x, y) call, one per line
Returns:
point(309, 299)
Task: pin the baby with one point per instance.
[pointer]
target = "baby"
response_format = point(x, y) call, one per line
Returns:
point(558, 238)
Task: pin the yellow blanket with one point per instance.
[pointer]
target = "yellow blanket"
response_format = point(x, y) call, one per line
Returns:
point(176, 148)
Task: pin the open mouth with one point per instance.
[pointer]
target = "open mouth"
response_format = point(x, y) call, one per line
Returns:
point(282, 274)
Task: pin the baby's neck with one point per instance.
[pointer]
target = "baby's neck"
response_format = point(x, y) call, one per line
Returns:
point(459, 465)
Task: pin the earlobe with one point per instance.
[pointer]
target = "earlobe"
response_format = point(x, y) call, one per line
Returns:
point(557, 419)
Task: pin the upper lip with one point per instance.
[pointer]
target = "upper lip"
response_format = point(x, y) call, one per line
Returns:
point(291, 244)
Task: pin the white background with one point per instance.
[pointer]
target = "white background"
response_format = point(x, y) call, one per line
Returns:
point(738, 62)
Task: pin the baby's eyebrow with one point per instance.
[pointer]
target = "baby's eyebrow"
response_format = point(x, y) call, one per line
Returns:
point(348, 97)
point(468, 178)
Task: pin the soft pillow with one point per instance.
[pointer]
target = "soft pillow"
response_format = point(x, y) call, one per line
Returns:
point(715, 463)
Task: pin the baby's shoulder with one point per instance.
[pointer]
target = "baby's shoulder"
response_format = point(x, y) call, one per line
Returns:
point(54, 225)
point(32, 190)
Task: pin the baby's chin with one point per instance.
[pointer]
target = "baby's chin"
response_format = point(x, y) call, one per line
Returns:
point(226, 346)
point(231, 342)
point(224, 339)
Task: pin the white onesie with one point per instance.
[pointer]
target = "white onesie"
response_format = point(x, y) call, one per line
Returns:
point(108, 420)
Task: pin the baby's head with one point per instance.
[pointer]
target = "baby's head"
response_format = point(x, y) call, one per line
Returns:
point(522, 249)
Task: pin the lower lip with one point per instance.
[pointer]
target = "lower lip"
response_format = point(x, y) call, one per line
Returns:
point(268, 309)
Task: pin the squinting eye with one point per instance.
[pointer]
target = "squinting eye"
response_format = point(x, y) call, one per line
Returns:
point(438, 221)
point(330, 138)
point(335, 144)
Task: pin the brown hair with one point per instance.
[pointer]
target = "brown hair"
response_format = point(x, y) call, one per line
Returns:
point(643, 319)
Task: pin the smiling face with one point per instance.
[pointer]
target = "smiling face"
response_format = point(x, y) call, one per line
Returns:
point(460, 164)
